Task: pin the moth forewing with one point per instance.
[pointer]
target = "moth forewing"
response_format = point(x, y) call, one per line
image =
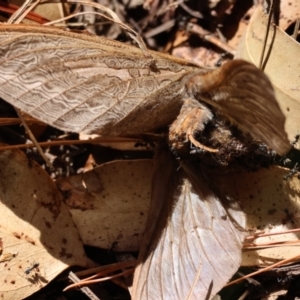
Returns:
point(194, 249)
point(79, 83)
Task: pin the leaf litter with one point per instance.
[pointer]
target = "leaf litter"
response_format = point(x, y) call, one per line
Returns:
point(149, 22)
point(36, 228)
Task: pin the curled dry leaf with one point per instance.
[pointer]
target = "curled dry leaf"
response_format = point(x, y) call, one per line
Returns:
point(81, 83)
point(191, 247)
point(37, 234)
point(282, 65)
point(114, 194)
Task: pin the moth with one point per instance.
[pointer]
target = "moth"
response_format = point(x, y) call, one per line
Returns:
point(90, 84)
point(77, 82)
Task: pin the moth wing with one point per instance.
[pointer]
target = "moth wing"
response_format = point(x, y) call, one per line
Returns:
point(80, 83)
point(244, 94)
point(191, 247)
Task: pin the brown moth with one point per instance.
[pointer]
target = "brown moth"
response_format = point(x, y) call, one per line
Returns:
point(78, 82)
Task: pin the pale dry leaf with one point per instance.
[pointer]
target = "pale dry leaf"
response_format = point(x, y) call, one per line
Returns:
point(51, 11)
point(271, 204)
point(109, 204)
point(235, 40)
point(213, 3)
point(200, 55)
point(282, 66)
point(289, 13)
point(35, 228)
point(277, 295)
point(82, 83)
point(191, 247)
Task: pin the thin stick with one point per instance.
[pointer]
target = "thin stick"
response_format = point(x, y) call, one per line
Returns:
point(101, 141)
point(84, 289)
point(266, 35)
point(33, 139)
point(80, 283)
point(280, 263)
point(18, 12)
point(22, 12)
point(296, 29)
point(196, 29)
point(256, 236)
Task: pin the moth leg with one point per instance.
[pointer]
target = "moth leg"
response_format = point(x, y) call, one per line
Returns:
point(192, 119)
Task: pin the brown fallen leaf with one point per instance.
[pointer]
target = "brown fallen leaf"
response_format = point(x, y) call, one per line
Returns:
point(38, 237)
point(110, 203)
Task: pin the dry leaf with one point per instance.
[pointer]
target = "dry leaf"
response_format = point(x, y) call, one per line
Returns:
point(289, 13)
point(51, 11)
point(35, 228)
point(109, 204)
point(282, 66)
point(110, 89)
point(271, 205)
